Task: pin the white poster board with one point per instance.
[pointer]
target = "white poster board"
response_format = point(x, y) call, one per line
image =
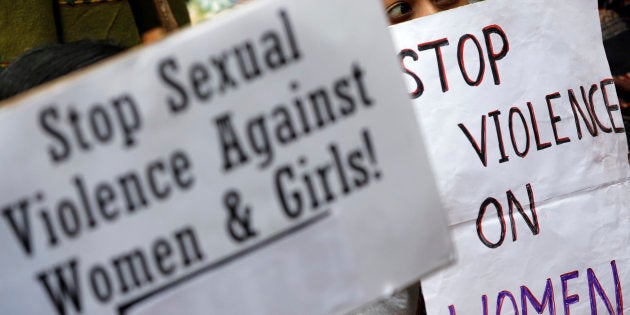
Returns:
point(522, 122)
point(265, 163)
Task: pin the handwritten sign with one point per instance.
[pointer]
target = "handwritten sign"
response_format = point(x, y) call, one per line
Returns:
point(275, 143)
point(520, 115)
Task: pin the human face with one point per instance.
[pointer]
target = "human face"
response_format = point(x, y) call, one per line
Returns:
point(404, 10)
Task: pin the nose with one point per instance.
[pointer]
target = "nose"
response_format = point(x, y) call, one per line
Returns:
point(426, 8)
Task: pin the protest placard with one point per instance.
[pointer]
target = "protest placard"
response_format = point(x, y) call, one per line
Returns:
point(521, 118)
point(266, 163)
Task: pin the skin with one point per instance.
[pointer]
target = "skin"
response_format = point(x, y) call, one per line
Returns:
point(153, 35)
point(400, 11)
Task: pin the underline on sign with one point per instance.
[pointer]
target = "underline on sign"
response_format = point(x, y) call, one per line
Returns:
point(124, 307)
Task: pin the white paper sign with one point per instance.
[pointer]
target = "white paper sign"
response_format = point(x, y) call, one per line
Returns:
point(266, 163)
point(521, 118)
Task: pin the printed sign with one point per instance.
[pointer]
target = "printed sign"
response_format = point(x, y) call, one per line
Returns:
point(521, 118)
point(262, 164)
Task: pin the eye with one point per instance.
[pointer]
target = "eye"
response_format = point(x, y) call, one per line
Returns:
point(399, 12)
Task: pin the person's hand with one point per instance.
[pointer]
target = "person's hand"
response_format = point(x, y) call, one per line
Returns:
point(622, 83)
point(153, 35)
